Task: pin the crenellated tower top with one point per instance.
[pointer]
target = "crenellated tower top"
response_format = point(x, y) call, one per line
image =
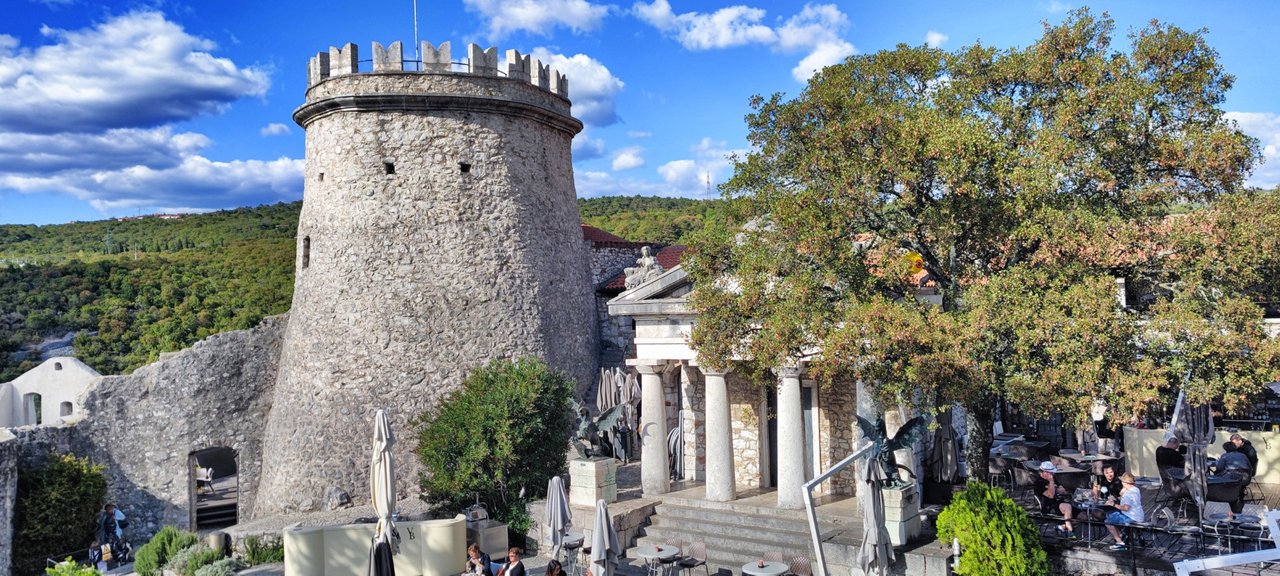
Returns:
point(437, 60)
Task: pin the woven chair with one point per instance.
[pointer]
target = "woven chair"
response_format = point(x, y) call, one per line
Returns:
point(669, 563)
point(773, 556)
point(694, 557)
point(800, 566)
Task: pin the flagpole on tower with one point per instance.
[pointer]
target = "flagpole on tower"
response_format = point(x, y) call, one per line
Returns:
point(417, 47)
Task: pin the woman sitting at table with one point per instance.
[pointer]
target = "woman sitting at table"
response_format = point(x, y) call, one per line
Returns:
point(1127, 511)
point(513, 567)
point(1053, 497)
point(478, 563)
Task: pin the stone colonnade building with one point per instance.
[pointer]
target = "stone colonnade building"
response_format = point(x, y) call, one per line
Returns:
point(734, 434)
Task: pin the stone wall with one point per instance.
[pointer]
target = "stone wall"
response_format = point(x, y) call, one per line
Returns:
point(143, 427)
point(9, 450)
point(439, 230)
point(617, 335)
point(693, 413)
point(609, 259)
point(745, 417)
point(836, 432)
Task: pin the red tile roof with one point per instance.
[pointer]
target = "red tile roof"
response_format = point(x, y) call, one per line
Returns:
point(597, 236)
point(668, 257)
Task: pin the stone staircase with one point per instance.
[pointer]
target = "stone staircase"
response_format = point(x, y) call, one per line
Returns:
point(739, 532)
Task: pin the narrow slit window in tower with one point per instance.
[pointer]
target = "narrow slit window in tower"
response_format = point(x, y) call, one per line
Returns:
point(57, 365)
point(464, 167)
point(322, 176)
point(389, 167)
point(306, 251)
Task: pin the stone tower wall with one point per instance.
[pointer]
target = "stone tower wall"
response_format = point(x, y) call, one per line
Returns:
point(439, 230)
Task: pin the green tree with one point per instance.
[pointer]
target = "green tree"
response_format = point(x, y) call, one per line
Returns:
point(1020, 182)
point(56, 509)
point(501, 437)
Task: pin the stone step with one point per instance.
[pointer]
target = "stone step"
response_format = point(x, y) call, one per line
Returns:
point(741, 521)
point(711, 527)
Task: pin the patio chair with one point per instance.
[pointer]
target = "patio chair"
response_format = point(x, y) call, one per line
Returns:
point(669, 563)
point(801, 566)
point(696, 556)
point(204, 477)
point(773, 556)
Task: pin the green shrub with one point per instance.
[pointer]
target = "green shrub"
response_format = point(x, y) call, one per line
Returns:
point(223, 567)
point(153, 555)
point(57, 508)
point(179, 560)
point(997, 538)
point(505, 431)
point(70, 567)
point(258, 551)
point(203, 556)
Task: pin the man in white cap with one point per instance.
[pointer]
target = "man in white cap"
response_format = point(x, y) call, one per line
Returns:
point(1053, 498)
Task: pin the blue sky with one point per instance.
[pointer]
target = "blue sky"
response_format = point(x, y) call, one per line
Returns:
point(114, 109)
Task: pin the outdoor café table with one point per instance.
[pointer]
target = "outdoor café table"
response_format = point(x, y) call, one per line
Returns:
point(769, 569)
point(654, 555)
point(1088, 506)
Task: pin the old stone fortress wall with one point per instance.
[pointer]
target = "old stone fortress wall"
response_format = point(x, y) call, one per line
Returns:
point(439, 230)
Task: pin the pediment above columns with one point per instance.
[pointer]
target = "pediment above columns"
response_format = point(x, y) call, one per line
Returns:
point(666, 294)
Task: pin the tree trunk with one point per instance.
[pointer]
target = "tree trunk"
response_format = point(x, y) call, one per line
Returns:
point(981, 418)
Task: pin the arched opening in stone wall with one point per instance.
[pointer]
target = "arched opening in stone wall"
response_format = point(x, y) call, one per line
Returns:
point(65, 409)
point(214, 487)
point(31, 409)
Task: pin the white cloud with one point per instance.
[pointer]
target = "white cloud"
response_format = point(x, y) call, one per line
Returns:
point(935, 39)
point(628, 158)
point(537, 16)
point(724, 28)
point(194, 183)
point(91, 114)
point(709, 167)
point(817, 29)
point(822, 56)
point(585, 147)
point(638, 134)
point(1056, 7)
point(44, 154)
point(275, 129)
point(1265, 126)
point(592, 87)
point(135, 70)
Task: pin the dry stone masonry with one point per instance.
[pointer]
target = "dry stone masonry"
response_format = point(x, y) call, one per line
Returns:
point(439, 230)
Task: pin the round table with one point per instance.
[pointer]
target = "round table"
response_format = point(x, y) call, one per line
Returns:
point(654, 555)
point(769, 569)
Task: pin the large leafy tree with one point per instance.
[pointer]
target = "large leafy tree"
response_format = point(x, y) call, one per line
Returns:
point(1021, 183)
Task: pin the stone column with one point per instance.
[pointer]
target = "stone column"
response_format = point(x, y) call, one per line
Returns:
point(790, 454)
point(655, 473)
point(721, 484)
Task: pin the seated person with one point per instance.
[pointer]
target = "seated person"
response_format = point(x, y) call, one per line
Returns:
point(478, 562)
point(1105, 486)
point(513, 567)
point(1128, 510)
point(1171, 455)
point(1052, 497)
point(1246, 447)
point(1232, 460)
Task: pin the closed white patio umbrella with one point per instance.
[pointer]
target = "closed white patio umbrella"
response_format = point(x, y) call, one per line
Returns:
point(382, 482)
point(604, 543)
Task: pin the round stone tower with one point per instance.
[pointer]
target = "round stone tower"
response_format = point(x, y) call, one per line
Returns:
point(439, 230)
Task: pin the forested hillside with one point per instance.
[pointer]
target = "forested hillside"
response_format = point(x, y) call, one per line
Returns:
point(647, 218)
point(136, 288)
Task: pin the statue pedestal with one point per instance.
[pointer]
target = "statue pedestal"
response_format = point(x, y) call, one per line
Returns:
point(901, 513)
point(592, 479)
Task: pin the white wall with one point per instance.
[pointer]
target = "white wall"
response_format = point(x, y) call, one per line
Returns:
point(56, 380)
